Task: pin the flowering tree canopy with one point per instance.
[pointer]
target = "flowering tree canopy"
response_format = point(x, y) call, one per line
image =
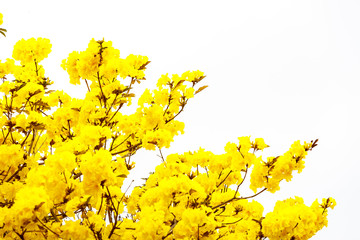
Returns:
point(63, 160)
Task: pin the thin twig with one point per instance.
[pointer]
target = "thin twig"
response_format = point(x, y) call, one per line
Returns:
point(240, 198)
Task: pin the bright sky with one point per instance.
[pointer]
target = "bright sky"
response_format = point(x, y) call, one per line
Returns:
point(282, 70)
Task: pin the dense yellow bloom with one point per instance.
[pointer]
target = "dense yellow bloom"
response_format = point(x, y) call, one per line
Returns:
point(64, 161)
point(269, 174)
point(6, 67)
point(192, 76)
point(28, 51)
point(195, 222)
point(102, 175)
point(91, 135)
point(74, 230)
point(70, 64)
point(13, 154)
point(30, 203)
point(101, 63)
point(259, 144)
point(292, 219)
point(135, 63)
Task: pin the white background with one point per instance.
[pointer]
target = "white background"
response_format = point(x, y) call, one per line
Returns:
point(282, 70)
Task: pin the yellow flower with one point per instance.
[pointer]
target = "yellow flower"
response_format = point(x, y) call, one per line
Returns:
point(70, 65)
point(328, 202)
point(27, 51)
point(31, 201)
point(75, 230)
point(6, 67)
point(191, 220)
point(6, 87)
point(163, 80)
point(291, 218)
point(192, 76)
point(260, 144)
point(245, 144)
point(10, 157)
point(83, 160)
point(1, 18)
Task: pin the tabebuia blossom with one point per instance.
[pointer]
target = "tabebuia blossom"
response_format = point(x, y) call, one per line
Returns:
point(64, 160)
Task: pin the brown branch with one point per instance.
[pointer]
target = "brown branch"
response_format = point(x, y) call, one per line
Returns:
point(117, 110)
point(224, 179)
point(130, 148)
point(111, 148)
point(162, 157)
point(237, 189)
point(240, 198)
point(47, 227)
point(87, 85)
point(17, 171)
point(117, 209)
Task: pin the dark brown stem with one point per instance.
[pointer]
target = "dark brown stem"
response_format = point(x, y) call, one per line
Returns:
point(240, 198)
point(111, 148)
point(16, 172)
point(112, 203)
point(130, 148)
point(237, 189)
point(87, 85)
point(116, 210)
point(117, 110)
point(182, 108)
point(102, 93)
point(7, 135)
point(224, 179)
point(162, 157)
point(47, 227)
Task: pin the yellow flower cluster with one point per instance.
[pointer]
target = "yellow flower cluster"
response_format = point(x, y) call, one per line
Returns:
point(196, 195)
point(31, 50)
point(269, 174)
point(6, 67)
point(1, 18)
point(63, 161)
point(101, 64)
point(292, 219)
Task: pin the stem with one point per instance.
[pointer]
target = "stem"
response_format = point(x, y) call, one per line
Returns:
point(17, 171)
point(224, 179)
point(235, 199)
point(132, 147)
point(32, 141)
point(87, 85)
point(40, 146)
point(102, 197)
point(117, 110)
point(112, 104)
point(237, 189)
point(162, 157)
point(36, 68)
point(111, 148)
point(182, 108)
point(37, 142)
point(47, 227)
point(117, 209)
point(102, 93)
point(7, 135)
point(107, 188)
